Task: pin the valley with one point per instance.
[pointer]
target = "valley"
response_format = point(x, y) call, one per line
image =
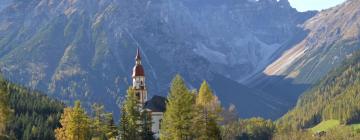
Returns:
point(262, 54)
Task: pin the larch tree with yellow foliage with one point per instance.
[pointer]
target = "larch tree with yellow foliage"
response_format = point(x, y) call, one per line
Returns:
point(208, 114)
point(75, 124)
point(4, 109)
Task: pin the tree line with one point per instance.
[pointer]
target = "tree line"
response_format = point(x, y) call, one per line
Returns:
point(190, 115)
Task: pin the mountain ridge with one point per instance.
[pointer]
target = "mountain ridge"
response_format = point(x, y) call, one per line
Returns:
point(84, 49)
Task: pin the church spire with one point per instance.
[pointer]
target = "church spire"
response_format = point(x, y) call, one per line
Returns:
point(138, 57)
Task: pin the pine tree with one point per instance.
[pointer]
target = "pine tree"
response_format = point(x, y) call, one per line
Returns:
point(208, 114)
point(75, 124)
point(124, 129)
point(111, 130)
point(103, 125)
point(178, 118)
point(98, 121)
point(130, 119)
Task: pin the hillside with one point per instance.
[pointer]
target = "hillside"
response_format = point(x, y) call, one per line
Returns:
point(331, 37)
point(34, 116)
point(336, 97)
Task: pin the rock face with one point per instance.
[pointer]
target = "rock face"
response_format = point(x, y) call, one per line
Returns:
point(331, 37)
point(5, 3)
point(84, 49)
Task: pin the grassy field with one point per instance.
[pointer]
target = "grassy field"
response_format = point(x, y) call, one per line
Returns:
point(326, 125)
point(355, 127)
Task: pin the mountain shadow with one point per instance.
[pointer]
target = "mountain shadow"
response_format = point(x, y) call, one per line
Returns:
point(285, 89)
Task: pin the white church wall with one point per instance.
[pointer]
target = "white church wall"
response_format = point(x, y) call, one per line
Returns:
point(156, 120)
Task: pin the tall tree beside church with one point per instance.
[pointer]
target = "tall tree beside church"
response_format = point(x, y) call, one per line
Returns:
point(130, 118)
point(75, 124)
point(123, 129)
point(111, 130)
point(103, 126)
point(178, 118)
point(207, 115)
point(4, 109)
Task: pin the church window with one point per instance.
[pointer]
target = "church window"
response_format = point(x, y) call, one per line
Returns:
point(137, 95)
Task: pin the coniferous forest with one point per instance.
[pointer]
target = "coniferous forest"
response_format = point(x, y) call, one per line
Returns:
point(27, 114)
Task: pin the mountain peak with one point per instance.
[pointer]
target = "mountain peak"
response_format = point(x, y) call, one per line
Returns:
point(331, 28)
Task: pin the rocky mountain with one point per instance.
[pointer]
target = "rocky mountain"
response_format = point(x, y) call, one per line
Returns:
point(5, 3)
point(333, 35)
point(84, 49)
point(330, 38)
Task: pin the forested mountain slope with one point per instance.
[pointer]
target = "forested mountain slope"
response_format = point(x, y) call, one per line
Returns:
point(336, 97)
point(34, 116)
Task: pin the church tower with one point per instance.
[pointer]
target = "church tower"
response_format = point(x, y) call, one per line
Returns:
point(138, 78)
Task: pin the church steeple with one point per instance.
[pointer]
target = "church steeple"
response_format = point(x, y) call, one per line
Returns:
point(138, 77)
point(138, 57)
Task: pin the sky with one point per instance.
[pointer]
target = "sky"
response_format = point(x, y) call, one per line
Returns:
point(305, 5)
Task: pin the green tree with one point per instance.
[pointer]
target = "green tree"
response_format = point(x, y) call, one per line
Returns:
point(98, 119)
point(208, 114)
point(131, 119)
point(102, 123)
point(249, 129)
point(124, 129)
point(178, 118)
point(111, 130)
point(75, 124)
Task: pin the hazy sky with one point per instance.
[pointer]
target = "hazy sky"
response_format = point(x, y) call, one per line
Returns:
point(304, 5)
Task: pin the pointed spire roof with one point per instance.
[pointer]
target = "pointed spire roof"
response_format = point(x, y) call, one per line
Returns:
point(138, 57)
point(138, 69)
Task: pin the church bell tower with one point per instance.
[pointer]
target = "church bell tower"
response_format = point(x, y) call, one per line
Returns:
point(138, 78)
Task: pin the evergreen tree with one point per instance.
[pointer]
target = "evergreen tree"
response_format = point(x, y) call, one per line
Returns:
point(111, 130)
point(178, 118)
point(103, 125)
point(99, 122)
point(75, 124)
point(130, 119)
point(124, 129)
point(208, 114)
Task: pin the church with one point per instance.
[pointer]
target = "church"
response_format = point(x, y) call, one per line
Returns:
point(156, 105)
